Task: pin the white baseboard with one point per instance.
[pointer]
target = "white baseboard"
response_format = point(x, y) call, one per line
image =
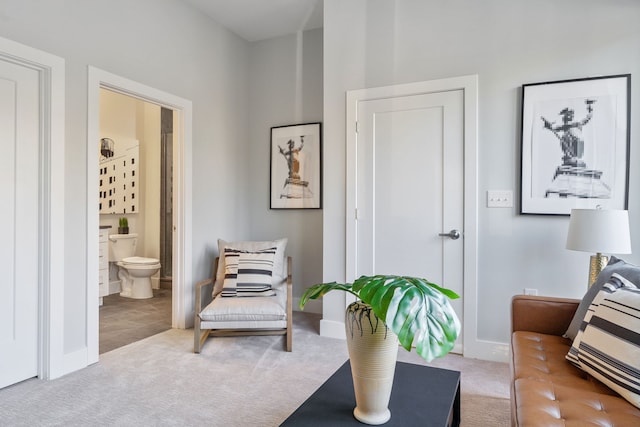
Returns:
point(73, 362)
point(488, 350)
point(114, 287)
point(332, 329)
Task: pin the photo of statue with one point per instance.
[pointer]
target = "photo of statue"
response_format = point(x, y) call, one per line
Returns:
point(294, 186)
point(572, 145)
point(296, 167)
point(572, 178)
point(292, 155)
point(575, 144)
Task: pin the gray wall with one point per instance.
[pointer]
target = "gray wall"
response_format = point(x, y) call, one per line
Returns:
point(507, 43)
point(285, 88)
point(167, 45)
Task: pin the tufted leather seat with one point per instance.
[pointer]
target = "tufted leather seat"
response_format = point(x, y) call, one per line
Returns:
point(546, 390)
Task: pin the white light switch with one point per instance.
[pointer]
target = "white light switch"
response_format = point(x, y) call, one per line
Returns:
point(499, 199)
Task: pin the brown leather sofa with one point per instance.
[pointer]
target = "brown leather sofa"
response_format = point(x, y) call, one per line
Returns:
point(547, 390)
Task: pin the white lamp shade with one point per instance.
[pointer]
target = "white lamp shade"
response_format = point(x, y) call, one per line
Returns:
point(599, 231)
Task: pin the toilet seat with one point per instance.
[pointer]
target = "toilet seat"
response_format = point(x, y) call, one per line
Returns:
point(138, 260)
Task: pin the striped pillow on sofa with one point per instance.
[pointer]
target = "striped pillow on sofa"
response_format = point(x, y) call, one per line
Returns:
point(610, 346)
point(616, 281)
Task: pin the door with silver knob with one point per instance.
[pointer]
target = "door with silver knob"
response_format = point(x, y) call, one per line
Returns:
point(408, 188)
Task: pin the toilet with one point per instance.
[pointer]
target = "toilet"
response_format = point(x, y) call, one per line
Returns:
point(134, 272)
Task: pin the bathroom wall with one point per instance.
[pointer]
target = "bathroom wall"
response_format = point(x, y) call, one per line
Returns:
point(129, 118)
point(149, 132)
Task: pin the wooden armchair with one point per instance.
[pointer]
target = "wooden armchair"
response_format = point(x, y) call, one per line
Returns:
point(231, 316)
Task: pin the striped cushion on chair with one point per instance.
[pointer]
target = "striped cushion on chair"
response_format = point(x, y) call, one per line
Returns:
point(610, 346)
point(248, 273)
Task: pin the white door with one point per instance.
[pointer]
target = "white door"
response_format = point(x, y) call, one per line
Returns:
point(19, 249)
point(410, 188)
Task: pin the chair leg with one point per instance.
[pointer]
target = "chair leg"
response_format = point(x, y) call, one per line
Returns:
point(196, 337)
point(289, 333)
point(200, 339)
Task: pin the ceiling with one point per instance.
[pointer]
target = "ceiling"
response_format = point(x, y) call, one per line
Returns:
point(255, 20)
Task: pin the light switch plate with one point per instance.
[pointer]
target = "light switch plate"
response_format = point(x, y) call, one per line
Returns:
point(499, 199)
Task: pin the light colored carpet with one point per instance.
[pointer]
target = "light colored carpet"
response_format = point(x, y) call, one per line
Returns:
point(235, 381)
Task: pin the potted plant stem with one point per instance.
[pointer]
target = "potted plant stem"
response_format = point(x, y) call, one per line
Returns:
point(123, 225)
point(391, 309)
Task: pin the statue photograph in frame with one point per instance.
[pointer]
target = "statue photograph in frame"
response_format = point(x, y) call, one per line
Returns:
point(575, 145)
point(296, 166)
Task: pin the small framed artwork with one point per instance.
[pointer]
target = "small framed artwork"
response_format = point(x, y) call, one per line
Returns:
point(296, 166)
point(575, 145)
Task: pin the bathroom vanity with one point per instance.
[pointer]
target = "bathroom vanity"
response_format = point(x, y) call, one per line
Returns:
point(103, 261)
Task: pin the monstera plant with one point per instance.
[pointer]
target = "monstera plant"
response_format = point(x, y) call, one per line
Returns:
point(415, 310)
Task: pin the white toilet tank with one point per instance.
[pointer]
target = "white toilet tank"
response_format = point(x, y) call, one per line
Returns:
point(122, 246)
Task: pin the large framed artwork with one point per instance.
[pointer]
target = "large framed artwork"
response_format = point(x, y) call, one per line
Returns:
point(296, 166)
point(575, 145)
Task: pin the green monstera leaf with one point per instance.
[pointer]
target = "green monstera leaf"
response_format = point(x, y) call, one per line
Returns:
point(416, 310)
point(319, 290)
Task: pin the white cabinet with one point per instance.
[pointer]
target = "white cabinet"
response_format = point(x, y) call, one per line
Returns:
point(103, 263)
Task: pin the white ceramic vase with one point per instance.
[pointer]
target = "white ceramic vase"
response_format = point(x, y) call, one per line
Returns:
point(373, 351)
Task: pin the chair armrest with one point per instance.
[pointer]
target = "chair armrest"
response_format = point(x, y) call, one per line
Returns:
point(545, 315)
point(206, 285)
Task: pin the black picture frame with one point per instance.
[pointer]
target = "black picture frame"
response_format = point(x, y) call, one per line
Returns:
point(296, 166)
point(575, 145)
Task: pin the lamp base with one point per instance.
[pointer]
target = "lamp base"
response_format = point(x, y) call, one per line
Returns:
point(598, 262)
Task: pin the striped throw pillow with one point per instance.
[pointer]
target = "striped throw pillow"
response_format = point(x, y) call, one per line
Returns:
point(248, 273)
point(610, 346)
point(615, 282)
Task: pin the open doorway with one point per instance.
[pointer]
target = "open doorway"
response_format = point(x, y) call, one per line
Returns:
point(135, 183)
point(181, 299)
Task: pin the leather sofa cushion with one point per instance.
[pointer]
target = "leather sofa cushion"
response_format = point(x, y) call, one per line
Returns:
point(543, 403)
point(542, 357)
point(547, 390)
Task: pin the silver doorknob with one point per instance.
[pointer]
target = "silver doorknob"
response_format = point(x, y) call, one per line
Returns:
point(453, 234)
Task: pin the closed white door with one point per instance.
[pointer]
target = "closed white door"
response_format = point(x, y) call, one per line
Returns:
point(410, 188)
point(19, 249)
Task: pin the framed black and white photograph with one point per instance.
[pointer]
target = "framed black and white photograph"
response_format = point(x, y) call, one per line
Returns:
point(296, 166)
point(575, 145)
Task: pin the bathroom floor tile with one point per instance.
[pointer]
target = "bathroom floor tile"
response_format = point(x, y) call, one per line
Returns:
point(126, 320)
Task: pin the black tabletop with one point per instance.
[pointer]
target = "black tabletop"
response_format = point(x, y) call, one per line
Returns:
point(421, 396)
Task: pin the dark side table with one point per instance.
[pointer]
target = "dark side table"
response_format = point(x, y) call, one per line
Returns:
point(421, 396)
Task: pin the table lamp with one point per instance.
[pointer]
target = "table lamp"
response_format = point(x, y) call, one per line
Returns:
point(600, 231)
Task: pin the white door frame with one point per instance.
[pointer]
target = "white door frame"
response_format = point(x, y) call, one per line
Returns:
point(469, 86)
point(50, 309)
point(182, 274)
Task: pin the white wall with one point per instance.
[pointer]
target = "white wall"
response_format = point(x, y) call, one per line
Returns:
point(163, 44)
point(371, 43)
point(285, 88)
